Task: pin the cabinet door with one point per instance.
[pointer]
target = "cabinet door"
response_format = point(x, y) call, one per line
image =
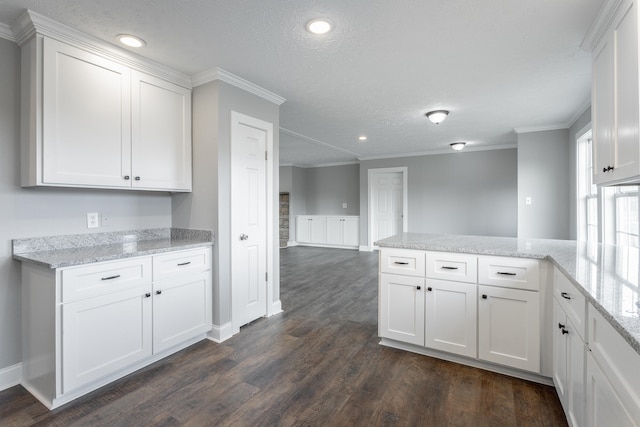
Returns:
point(105, 334)
point(576, 359)
point(318, 230)
point(627, 148)
point(181, 310)
point(303, 229)
point(86, 118)
point(161, 134)
point(451, 313)
point(351, 232)
point(401, 310)
point(509, 327)
point(559, 353)
point(604, 405)
point(334, 231)
point(602, 101)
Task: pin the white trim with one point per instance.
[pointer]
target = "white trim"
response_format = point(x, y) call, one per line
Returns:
point(543, 128)
point(366, 248)
point(30, 23)
point(323, 245)
point(405, 199)
point(10, 376)
point(227, 77)
point(600, 24)
point(6, 33)
point(220, 333)
point(315, 141)
point(291, 243)
point(585, 106)
point(476, 363)
point(275, 308)
point(468, 148)
point(328, 165)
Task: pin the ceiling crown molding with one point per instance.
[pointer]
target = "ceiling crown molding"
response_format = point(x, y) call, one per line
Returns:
point(6, 33)
point(227, 77)
point(28, 24)
point(467, 149)
point(556, 126)
point(317, 142)
point(600, 24)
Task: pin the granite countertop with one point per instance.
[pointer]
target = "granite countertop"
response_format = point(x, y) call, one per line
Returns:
point(77, 249)
point(607, 275)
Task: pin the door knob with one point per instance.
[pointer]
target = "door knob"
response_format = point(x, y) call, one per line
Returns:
point(243, 237)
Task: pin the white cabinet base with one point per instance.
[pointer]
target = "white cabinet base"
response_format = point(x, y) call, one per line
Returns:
point(476, 363)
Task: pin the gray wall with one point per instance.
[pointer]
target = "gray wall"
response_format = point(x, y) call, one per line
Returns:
point(209, 205)
point(331, 186)
point(30, 212)
point(543, 175)
point(577, 126)
point(459, 193)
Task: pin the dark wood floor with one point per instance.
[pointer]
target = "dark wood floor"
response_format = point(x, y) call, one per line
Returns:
point(317, 364)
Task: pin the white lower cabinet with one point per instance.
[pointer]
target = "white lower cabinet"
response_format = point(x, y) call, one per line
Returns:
point(401, 309)
point(88, 325)
point(509, 327)
point(323, 230)
point(451, 317)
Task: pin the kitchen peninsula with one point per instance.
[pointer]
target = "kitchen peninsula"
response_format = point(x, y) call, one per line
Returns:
point(553, 311)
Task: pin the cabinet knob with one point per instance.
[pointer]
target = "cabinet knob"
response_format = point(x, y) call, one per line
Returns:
point(484, 297)
point(137, 178)
point(560, 326)
point(564, 331)
point(418, 287)
point(126, 177)
point(565, 295)
point(158, 292)
point(147, 295)
point(429, 288)
point(607, 169)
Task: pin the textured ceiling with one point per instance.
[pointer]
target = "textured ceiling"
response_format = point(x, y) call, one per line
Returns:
point(496, 64)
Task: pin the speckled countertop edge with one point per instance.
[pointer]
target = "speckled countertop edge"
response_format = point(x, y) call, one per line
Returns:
point(564, 254)
point(71, 250)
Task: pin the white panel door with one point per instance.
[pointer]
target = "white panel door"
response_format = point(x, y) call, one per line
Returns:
point(105, 334)
point(387, 203)
point(180, 310)
point(509, 327)
point(401, 308)
point(86, 118)
point(451, 317)
point(248, 222)
point(161, 134)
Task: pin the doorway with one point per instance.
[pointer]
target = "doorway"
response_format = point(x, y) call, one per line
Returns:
point(284, 219)
point(387, 203)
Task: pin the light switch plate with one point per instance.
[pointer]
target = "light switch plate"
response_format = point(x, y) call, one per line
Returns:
point(344, 206)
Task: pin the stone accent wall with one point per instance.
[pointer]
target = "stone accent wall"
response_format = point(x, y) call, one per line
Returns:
point(284, 219)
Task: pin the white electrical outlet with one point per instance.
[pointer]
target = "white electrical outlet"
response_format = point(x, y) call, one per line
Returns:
point(93, 220)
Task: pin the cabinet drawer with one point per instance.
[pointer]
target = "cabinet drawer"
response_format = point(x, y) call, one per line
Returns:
point(402, 261)
point(572, 302)
point(452, 266)
point(178, 263)
point(518, 273)
point(104, 278)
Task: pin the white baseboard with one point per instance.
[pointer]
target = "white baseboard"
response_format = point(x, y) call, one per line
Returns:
point(10, 376)
point(220, 333)
point(291, 243)
point(365, 249)
point(276, 308)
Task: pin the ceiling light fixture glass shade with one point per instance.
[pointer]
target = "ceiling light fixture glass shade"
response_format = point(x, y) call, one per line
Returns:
point(458, 145)
point(319, 26)
point(362, 138)
point(437, 116)
point(130, 40)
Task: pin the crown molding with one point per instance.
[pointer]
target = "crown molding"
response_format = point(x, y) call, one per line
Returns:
point(600, 24)
point(542, 128)
point(583, 108)
point(328, 165)
point(315, 141)
point(227, 77)
point(6, 33)
point(30, 24)
point(467, 149)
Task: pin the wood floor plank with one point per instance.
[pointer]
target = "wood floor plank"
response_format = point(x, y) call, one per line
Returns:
point(319, 363)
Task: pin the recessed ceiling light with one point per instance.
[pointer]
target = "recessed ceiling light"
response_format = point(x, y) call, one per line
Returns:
point(319, 26)
point(362, 138)
point(437, 116)
point(130, 40)
point(458, 145)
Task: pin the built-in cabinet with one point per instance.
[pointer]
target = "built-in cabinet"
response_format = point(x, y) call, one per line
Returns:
point(483, 308)
point(87, 325)
point(93, 120)
point(615, 94)
point(328, 230)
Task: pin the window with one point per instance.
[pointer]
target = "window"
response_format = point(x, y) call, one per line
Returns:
point(587, 193)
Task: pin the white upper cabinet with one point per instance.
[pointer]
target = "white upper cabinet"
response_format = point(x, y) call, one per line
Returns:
point(615, 94)
point(90, 118)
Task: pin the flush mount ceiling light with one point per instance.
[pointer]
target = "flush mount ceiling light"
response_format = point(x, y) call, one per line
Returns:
point(131, 40)
point(319, 26)
point(437, 116)
point(362, 138)
point(457, 145)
